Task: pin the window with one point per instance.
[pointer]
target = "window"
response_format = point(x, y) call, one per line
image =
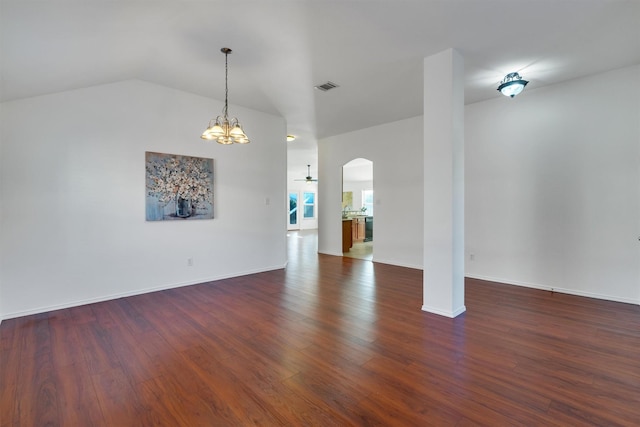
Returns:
point(309, 206)
point(367, 201)
point(293, 208)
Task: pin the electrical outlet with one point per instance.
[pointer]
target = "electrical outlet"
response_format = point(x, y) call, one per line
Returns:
point(189, 262)
point(472, 257)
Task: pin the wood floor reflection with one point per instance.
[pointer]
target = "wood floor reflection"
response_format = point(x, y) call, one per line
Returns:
point(330, 341)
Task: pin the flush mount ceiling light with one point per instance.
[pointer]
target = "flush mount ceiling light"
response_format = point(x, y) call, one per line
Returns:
point(291, 138)
point(222, 129)
point(512, 84)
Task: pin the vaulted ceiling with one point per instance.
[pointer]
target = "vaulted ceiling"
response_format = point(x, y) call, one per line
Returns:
point(373, 50)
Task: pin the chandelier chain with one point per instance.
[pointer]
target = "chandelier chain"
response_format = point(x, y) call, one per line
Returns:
point(226, 83)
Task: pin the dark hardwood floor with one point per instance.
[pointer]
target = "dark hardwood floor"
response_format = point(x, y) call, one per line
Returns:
point(329, 341)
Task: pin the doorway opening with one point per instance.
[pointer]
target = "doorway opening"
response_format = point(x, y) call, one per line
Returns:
point(302, 210)
point(357, 209)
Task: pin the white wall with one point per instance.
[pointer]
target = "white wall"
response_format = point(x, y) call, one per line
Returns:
point(72, 179)
point(396, 152)
point(553, 187)
point(1, 206)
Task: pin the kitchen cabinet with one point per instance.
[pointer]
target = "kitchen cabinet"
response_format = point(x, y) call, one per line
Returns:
point(347, 235)
point(358, 229)
point(354, 230)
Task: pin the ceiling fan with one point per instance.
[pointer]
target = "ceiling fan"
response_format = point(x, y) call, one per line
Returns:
point(308, 178)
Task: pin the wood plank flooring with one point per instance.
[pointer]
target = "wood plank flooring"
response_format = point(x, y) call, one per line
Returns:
point(329, 341)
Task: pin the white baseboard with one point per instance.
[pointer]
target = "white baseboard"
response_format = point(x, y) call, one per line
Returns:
point(439, 312)
point(556, 289)
point(330, 253)
point(163, 287)
point(76, 303)
point(381, 261)
point(396, 263)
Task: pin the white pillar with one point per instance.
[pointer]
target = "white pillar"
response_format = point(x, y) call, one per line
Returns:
point(443, 283)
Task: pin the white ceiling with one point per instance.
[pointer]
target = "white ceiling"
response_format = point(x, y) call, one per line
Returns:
point(372, 49)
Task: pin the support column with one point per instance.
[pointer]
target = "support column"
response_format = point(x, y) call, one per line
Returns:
point(443, 283)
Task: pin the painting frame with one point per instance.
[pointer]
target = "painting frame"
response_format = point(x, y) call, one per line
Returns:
point(178, 187)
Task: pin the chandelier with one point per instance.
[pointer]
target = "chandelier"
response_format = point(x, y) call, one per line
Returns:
point(512, 84)
point(222, 129)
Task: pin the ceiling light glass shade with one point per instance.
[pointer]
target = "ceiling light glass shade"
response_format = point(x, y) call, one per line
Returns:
point(236, 131)
point(213, 131)
point(512, 84)
point(217, 130)
point(512, 89)
point(223, 130)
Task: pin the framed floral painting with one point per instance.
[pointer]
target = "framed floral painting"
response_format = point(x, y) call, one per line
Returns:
point(178, 187)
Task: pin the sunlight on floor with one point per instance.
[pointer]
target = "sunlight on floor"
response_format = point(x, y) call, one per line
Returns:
point(362, 250)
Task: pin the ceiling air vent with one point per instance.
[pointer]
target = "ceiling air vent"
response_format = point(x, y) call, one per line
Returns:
point(326, 86)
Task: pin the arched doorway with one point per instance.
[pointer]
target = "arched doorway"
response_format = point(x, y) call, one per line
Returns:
point(357, 208)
